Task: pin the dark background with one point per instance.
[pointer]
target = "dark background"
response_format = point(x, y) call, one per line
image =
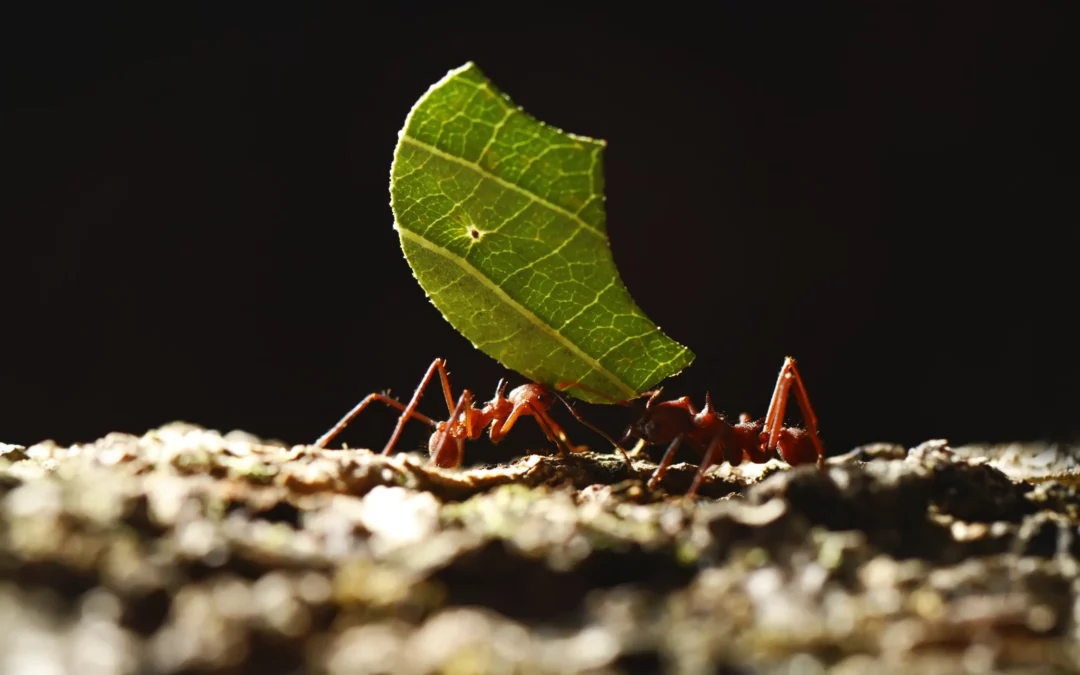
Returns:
point(197, 225)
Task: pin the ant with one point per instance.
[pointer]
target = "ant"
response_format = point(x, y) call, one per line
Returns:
point(675, 422)
point(447, 443)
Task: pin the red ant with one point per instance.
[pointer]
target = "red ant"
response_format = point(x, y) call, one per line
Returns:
point(677, 421)
point(447, 443)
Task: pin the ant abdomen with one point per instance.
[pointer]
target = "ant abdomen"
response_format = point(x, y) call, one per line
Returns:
point(444, 449)
point(795, 446)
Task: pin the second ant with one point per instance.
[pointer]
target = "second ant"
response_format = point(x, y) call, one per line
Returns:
point(675, 422)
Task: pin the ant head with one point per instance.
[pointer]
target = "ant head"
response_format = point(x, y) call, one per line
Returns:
point(546, 398)
point(534, 395)
point(644, 425)
point(660, 424)
point(642, 428)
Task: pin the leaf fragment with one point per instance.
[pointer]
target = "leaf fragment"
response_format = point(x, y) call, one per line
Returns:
point(501, 218)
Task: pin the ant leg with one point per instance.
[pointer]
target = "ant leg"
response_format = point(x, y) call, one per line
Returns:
point(445, 377)
point(382, 398)
point(609, 439)
point(546, 416)
point(809, 417)
point(556, 432)
point(463, 409)
point(498, 431)
point(437, 446)
point(774, 419)
point(669, 455)
point(778, 403)
point(706, 462)
point(650, 397)
point(553, 431)
point(409, 410)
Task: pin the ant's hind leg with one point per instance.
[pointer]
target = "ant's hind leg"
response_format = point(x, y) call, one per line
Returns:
point(810, 418)
point(774, 419)
point(382, 398)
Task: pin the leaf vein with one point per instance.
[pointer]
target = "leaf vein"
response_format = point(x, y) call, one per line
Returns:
point(532, 318)
point(503, 183)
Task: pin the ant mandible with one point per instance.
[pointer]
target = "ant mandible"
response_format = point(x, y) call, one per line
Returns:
point(466, 422)
point(706, 431)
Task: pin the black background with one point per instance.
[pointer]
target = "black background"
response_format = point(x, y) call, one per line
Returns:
point(197, 223)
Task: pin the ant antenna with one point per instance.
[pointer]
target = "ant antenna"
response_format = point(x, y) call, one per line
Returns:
point(609, 439)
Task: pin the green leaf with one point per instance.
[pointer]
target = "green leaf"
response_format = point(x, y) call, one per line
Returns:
point(501, 218)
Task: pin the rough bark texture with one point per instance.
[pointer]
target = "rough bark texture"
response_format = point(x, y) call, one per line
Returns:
point(187, 551)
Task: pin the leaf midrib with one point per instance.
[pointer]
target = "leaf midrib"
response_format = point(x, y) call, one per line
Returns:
point(531, 196)
point(469, 269)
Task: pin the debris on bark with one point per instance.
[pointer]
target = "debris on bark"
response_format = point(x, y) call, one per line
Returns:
point(187, 551)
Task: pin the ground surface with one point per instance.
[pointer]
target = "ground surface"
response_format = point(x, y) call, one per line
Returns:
point(185, 551)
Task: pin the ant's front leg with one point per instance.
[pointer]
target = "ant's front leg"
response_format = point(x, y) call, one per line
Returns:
point(606, 437)
point(526, 406)
point(662, 468)
point(553, 431)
